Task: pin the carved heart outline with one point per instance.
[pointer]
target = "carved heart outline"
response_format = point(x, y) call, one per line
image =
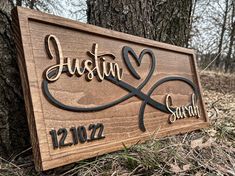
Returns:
point(126, 50)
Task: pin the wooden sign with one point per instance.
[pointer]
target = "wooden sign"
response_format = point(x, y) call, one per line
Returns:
point(89, 90)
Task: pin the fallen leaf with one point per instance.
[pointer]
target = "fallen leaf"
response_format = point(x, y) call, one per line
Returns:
point(175, 168)
point(196, 143)
point(208, 142)
point(198, 174)
point(212, 132)
point(222, 169)
point(199, 143)
point(186, 167)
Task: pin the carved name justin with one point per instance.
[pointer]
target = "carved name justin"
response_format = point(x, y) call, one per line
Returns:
point(96, 65)
point(182, 112)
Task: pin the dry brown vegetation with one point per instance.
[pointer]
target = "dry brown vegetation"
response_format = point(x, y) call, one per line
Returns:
point(204, 152)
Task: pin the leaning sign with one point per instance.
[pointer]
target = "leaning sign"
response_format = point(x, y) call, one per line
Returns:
point(89, 90)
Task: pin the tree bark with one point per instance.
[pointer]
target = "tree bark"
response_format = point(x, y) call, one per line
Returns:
point(31, 4)
point(14, 134)
point(163, 20)
point(228, 61)
point(19, 2)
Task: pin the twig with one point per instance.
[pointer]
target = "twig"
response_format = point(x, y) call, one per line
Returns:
point(216, 57)
point(216, 102)
point(10, 163)
point(14, 157)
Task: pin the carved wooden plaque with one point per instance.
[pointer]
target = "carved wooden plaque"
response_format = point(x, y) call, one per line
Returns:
point(89, 90)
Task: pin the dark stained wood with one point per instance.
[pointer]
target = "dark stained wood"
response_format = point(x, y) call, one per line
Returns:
point(121, 122)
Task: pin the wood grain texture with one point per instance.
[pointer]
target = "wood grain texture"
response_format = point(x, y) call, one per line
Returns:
point(121, 122)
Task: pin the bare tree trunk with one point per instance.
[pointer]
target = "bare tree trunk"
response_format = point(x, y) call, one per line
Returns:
point(14, 134)
point(191, 18)
point(223, 28)
point(19, 2)
point(31, 4)
point(228, 61)
point(162, 20)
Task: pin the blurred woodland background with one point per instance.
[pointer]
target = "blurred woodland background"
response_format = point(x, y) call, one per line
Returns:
point(208, 26)
point(210, 23)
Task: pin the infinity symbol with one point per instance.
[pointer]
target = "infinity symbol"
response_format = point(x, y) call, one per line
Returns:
point(146, 98)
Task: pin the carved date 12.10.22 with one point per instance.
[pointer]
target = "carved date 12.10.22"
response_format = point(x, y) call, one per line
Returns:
point(79, 134)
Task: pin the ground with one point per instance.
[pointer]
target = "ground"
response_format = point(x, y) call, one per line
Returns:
point(208, 151)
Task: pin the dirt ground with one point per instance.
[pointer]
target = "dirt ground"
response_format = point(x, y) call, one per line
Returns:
point(208, 151)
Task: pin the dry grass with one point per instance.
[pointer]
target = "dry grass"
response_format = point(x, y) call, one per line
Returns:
point(205, 152)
